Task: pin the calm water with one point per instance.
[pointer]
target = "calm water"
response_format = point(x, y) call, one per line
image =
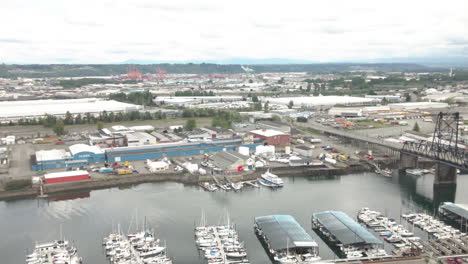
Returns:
point(172, 209)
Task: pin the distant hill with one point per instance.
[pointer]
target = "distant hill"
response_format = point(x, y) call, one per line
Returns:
point(79, 70)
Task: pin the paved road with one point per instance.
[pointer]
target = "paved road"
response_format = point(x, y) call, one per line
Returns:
point(350, 134)
point(396, 131)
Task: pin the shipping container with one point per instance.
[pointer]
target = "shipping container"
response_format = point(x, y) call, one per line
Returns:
point(124, 171)
point(67, 176)
point(315, 140)
point(105, 170)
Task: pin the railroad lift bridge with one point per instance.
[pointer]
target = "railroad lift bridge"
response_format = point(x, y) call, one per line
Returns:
point(444, 150)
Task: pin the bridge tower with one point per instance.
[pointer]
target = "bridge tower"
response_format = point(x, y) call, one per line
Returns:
point(443, 149)
point(445, 140)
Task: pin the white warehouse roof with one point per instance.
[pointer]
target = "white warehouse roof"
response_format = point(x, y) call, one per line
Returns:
point(320, 100)
point(78, 148)
point(65, 174)
point(418, 105)
point(53, 154)
point(36, 108)
point(267, 132)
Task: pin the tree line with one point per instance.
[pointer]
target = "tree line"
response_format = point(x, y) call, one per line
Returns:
point(194, 93)
point(140, 98)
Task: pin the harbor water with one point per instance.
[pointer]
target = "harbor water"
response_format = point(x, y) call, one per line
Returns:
point(173, 209)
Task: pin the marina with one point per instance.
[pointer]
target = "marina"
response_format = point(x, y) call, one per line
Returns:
point(396, 234)
point(57, 252)
point(220, 244)
point(285, 240)
point(343, 233)
point(434, 227)
point(172, 209)
point(136, 248)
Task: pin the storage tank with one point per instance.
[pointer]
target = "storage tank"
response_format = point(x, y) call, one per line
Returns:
point(66, 176)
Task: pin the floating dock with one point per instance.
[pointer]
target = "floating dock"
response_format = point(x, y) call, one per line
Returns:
point(349, 237)
point(285, 240)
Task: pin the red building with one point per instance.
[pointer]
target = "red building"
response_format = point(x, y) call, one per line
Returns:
point(272, 137)
point(66, 176)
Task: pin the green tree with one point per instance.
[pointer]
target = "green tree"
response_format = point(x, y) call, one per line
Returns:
point(266, 107)
point(59, 128)
point(78, 119)
point(450, 101)
point(190, 124)
point(68, 119)
point(100, 125)
point(416, 127)
point(291, 104)
point(255, 98)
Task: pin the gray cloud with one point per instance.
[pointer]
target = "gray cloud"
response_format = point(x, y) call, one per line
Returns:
point(83, 23)
point(210, 36)
point(15, 41)
point(118, 51)
point(263, 25)
point(334, 30)
point(458, 42)
point(176, 7)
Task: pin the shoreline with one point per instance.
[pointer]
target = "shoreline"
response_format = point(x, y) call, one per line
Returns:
point(115, 181)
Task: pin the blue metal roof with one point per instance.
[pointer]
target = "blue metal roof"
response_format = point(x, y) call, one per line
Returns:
point(345, 229)
point(284, 231)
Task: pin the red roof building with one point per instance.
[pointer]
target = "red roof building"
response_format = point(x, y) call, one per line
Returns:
point(272, 137)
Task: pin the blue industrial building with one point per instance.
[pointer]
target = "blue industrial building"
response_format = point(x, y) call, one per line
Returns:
point(82, 155)
point(55, 159)
point(173, 150)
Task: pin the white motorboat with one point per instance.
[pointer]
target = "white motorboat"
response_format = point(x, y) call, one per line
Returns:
point(237, 185)
point(415, 172)
point(271, 180)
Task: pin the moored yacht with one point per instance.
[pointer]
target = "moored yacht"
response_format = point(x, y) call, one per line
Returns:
point(415, 172)
point(271, 180)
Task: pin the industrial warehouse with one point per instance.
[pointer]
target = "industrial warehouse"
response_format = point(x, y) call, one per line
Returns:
point(81, 154)
point(15, 110)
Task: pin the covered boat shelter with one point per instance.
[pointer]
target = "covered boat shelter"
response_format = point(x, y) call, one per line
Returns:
point(457, 213)
point(283, 231)
point(344, 229)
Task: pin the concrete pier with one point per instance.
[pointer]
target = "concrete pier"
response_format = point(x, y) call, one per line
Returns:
point(408, 161)
point(445, 175)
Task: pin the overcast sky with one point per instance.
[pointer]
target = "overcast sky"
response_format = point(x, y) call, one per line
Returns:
point(98, 31)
